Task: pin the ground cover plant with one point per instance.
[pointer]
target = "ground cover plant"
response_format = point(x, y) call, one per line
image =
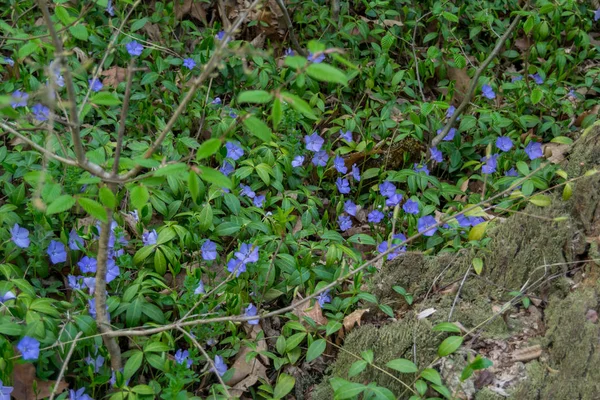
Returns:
point(194, 195)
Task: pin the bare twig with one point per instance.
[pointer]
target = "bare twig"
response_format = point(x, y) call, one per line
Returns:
point(458, 293)
point(290, 27)
point(124, 110)
point(474, 81)
point(64, 366)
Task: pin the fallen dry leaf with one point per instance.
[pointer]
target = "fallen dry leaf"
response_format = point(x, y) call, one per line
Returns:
point(244, 370)
point(114, 76)
point(582, 116)
point(192, 8)
point(555, 152)
point(461, 85)
point(315, 312)
point(24, 380)
point(353, 319)
point(527, 354)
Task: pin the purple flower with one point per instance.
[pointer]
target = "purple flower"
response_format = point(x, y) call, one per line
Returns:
point(297, 161)
point(436, 154)
point(343, 185)
point(200, 288)
point(350, 207)
point(40, 112)
point(20, 236)
point(5, 391)
point(217, 100)
point(135, 215)
point(534, 150)
point(450, 111)
point(504, 143)
point(10, 62)
point(259, 201)
point(236, 265)
point(221, 35)
point(421, 169)
point(90, 283)
point(95, 362)
point(411, 207)
point(516, 78)
point(355, 173)
point(426, 225)
point(247, 253)
point(387, 188)
point(288, 52)
point(488, 92)
point(490, 165)
point(597, 15)
point(57, 252)
point(6, 297)
point(313, 142)
point(29, 348)
point(134, 48)
point(110, 9)
point(220, 366)
point(95, 84)
point(75, 282)
point(338, 164)
point(393, 200)
point(251, 311)
point(463, 221)
point(247, 191)
point(209, 250)
point(113, 378)
point(87, 265)
point(344, 222)
point(75, 241)
point(112, 270)
point(189, 63)
point(375, 216)
point(475, 220)
point(234, 151)
point(79, 394)
point(449, 136)
point(511, 172)
point(19, 99)
point(182, 356)
point(320, 158)
point(537, 78)
point(396, 240)
point(347, 136)
point(232, 114)
point(226, 168)
point(149, 238)
point(316, 58)
point(572, 94)
point(324, 298)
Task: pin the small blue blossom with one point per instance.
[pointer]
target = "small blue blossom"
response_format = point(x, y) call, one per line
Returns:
point(10, 62)
point(350, 207)
point(259, 201)
point(490, 165)
point(375, 216)
point(421, 169)
point(112, 270)
point(323, 298)
point(449, 136)
point(247, 191)
point(79, 394)
point(411, 207)
point(110, 9)
point(251, 311)
point(393, 200)
point(20, 236)
point(149, 238)
point(87, 265)
point(338, 164)
point(516, 78)
point(297, 161)
point(343, 185)
point(344, 222)
point(597, 15)
point(355, 173)
point(95, 84)
point(347, 136)
point(537, 78)
point(29, 348)
point(75, 282)
point(313, 142)
point(475, 220)
point(134, 48)
point(450, 111)
point(316, 58)
point(426, 225)
point(92, 308)
point(75, 241)
point(463, 221)
point(5, 391)
point(320, 158)
point(40, 112)
point(247, 253)
point(488, 92)
point(200, 288)
point(182, 356)
point(236, 265)
point(504, 143)
point(19, 99)
point(234, 151)
point(209, 250)
point(396, 240)
point(220, 366)
point(436, 155)
point(534, 150)
point(289, 52)
point(221, 35)
point(7, 296)
point(56, 251)
point(226, 168)
point(387, 188)
point(511, 172)
point(217, 100)
point(97, 362)
point(189, 63)
point(135, 215)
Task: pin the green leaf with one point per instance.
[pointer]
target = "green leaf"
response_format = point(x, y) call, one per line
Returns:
point(356, 368)
point(205, 218)
point(255, 96)
point(263, 171)
point(63, 15)
point(152, 311)
point(28, 48)
point(298, 104)
point(134, 313)
point(326, 73)
point(194, 185)
point(478, 265)
point(258, 128)
point(536, 95)
point(149, 78)
point(403, 365)
point(523, 168)
point(80, 32)
point(344, 389)
point(380, 393)
point(276, 113)
point(293, 341)
point(332, 327)
point(567, 192)
point(133, 364)
point(139, 196)
point(105, 99)
point(562, 140)
point(477, 232)
point(208, 148)
point(315, 349)
point(10, 328)
point(285, 384)
point(166, 235)
point(443, 390)
point(446, 327)
point(142, 254)
point(449, 345)
point(93, 208)
point(142, 389)
point(387, 310)
point(139, 24)
point(227, 229)
point(432, 376)
point(61, 204)
point(107, 197)
point(160, 262)
point(211, 175)
point(540, 200)
point(449, 16)
point(156, 347)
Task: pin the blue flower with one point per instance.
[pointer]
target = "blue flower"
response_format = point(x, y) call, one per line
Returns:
point(597, 15)
point(19, 99)
point(217, 100)
point(135, 215)
point(247, 191)
point(134, 48)
point(320, 158)
point(289, 52)
point(112, 270)
point(421, 169)
point(234, 151)
point(182, 356)
point(40, 112)
point(75, 282)
point(79, 395)
point(316, 58)
point(347, 136)
point(200, 288)
point(534, 150)
point(226, 168)
point(343, 185)
point(488, 92)
point(90, 283)
point(449, 136)
point(450, 111)
point(393, 200)
point(344, 222)
point(313, 142)
point(436, 154)
point(387, 188)
point(537, 78)
point(209, 250)
point(92, 308)
point(221, 35)
point(110, 9)
point(5, 391)
point(504, 143)
point(56, 251)
point(475, 220)
point(75, 241)
point(87, 265)
point(355, 173)
point(338, 164)
point(396, 240)
point(236, 265)
point(10, 62)
point(323, 298)
point(20, 236)
point(251, 311)
point(95, 362)
point(29, 348)
point(259, 201)
point(149, 238)
point(411, 207)
point(7, 296)
point(297, 161)
point(95, 84)
point(463, 221)
point(189, 63)
point(350, 207)
point(247, 253)
point(490, 164)
point(426, 225)
point(375, 216)
point(511, 172)
point(220, 366)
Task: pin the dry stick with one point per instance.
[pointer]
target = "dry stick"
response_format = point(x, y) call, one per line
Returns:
point(458, 293)
point(124, 111)
point(290, 27)
point(64, 366)
point(208, 359)
point(474, 81)
point(208, 69)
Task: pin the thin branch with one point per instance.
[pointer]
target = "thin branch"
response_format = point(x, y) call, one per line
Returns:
point(124, 110)
point(474, 81)
point(290, 27)
point(64, 366)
